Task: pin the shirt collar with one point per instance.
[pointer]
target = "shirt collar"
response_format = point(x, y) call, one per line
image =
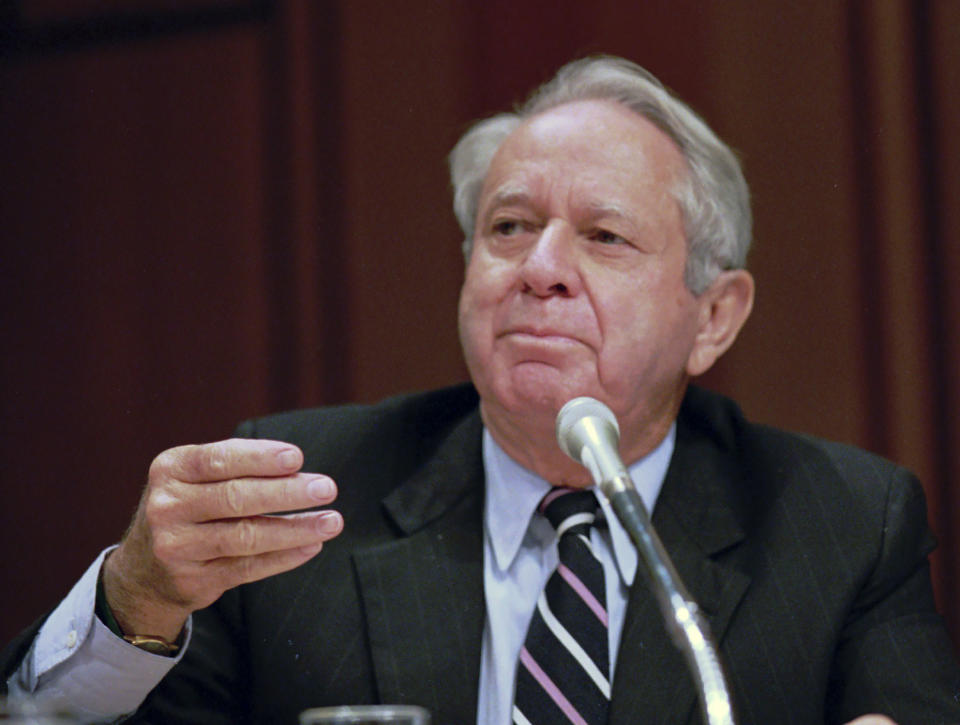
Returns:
point(513, 493)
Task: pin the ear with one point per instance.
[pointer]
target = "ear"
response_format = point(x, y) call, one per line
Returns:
point(724, 307)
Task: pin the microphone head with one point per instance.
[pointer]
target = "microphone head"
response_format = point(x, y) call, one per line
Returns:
point(584, 418)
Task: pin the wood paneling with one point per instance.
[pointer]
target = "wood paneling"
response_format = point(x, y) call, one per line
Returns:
point(938, 76)
point(249, 211)
point(400, 115)
point(133, 290)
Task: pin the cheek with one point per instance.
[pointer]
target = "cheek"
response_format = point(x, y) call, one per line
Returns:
point(645, 323)
point(485, 285)
point(476, 309)
point(467, 323)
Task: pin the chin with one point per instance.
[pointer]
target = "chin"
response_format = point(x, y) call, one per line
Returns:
point(532, 390)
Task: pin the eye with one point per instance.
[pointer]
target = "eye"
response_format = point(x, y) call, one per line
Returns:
point(606, 237)
point(507, 227)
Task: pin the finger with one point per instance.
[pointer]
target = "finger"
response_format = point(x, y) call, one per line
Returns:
point(241, 497)
point(242, 570)
point(228, 459)
point(251, 536)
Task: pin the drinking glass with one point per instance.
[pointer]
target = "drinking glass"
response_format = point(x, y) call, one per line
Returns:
point(366, 715)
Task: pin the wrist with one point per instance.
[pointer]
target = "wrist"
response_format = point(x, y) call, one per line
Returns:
point(130, 613)
point(150, 643)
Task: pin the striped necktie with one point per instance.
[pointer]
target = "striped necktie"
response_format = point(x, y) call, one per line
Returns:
point(563, 675)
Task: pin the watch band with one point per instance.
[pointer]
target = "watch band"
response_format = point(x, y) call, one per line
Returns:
point(153, 644)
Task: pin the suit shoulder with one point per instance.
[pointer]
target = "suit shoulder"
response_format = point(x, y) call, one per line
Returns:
point(785, 454)
point(774, 476)
point(421, 415)
point(818, 458)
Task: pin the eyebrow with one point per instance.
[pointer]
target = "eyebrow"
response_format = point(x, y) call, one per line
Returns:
point(509, 194)
point(608, 209)
point(519, 194)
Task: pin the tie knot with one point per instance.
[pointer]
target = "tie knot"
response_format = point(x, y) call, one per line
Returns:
point(569, 507)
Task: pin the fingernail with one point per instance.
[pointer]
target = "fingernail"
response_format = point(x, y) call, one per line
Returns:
point(321, 488)
point(289, 458)
point(330, 522)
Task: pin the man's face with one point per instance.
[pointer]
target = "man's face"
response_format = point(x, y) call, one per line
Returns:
point(575, 285)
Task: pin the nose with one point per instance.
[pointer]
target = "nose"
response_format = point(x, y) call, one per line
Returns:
point(550, 266)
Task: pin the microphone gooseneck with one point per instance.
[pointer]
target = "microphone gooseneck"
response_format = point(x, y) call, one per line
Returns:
point(588, 432)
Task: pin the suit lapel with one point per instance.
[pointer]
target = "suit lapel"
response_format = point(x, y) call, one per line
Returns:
point(696, 517)
point(423, 592)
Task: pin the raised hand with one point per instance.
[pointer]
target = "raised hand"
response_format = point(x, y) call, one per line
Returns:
point(203, 526)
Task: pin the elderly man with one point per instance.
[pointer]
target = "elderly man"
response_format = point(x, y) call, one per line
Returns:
point(607, 229)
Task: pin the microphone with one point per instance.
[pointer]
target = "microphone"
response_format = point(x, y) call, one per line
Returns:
point(588, 432)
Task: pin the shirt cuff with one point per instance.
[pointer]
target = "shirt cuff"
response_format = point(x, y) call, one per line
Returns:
point(77, 662)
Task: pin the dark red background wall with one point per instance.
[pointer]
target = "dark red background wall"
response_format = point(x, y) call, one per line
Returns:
point(211, 210)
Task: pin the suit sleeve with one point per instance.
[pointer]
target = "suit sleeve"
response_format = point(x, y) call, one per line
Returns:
point(72, 661)
point(209, 685)
point(895, 655)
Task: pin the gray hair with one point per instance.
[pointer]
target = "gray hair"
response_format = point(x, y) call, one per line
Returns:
point(713, 197)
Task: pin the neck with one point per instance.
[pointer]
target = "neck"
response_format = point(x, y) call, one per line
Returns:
point(530, 440)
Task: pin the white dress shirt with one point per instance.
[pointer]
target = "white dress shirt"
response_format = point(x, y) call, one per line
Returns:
point(77, 663)
point(520, 554)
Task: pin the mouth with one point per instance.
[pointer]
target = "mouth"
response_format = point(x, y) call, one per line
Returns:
point(540, 335)
point(544, 332)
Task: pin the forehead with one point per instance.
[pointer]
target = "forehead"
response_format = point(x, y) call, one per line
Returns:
point(598, 151)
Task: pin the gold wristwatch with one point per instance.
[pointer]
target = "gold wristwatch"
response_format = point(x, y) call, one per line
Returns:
point(153, 644)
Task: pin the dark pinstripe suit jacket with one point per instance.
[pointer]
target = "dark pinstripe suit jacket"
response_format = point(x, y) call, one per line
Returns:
point(808, 557)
